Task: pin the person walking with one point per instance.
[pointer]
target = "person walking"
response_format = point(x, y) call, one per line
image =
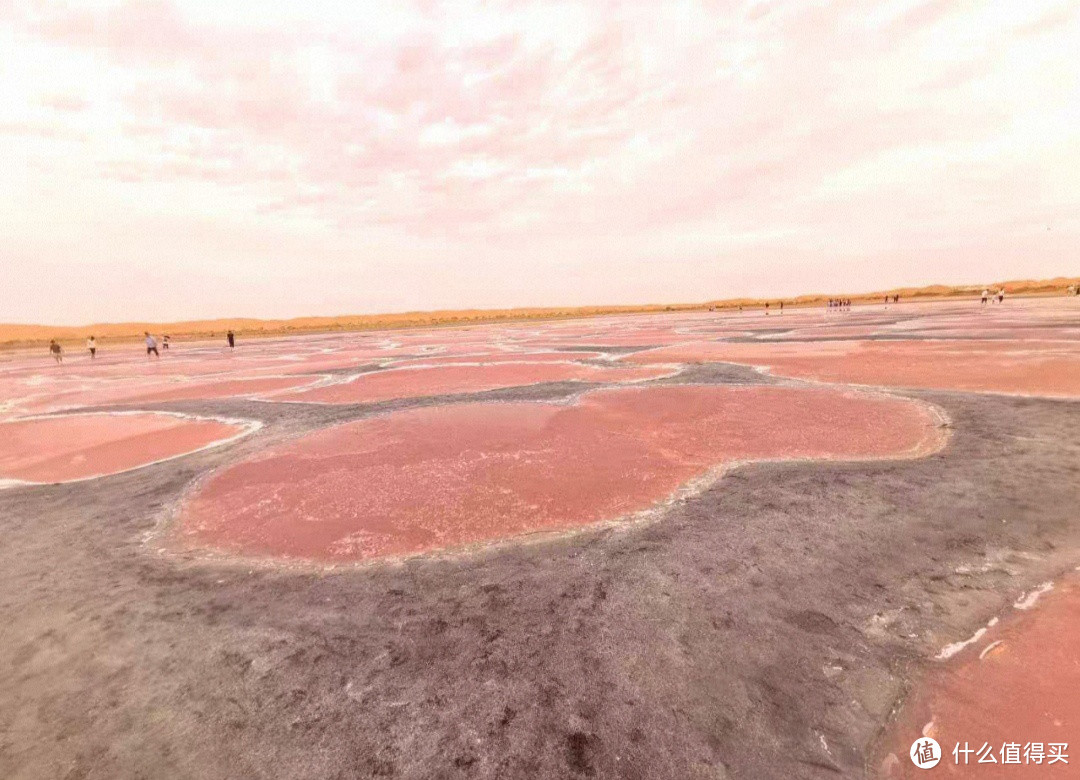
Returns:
point(151, 346)
point(232, 338)
point(91, 346)
point(57, 351)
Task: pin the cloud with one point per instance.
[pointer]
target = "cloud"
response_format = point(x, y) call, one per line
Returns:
point(540, 128)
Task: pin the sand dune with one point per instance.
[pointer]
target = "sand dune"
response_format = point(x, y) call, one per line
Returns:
point(29, 335)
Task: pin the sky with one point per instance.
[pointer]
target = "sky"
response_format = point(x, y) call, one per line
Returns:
point(203, 158)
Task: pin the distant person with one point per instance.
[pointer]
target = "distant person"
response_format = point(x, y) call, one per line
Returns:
point(985, 295)
point(56, 351)
point(151, 346)
point(232, 339)
point(91, 345)
point(1001, 295)
point(766, 308)
point(165, 341)
point(781, 307)
point(896, 299)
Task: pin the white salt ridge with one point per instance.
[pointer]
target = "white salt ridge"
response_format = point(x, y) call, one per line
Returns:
point(950, 650)
point(1027, 600)
point(988, 648)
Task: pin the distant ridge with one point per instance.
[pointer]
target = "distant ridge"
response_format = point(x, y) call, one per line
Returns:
point(16, 335)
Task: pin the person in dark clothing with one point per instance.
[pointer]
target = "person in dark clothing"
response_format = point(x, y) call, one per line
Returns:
point(232, 338)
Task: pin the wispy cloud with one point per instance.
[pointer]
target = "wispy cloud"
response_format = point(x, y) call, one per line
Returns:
point(497, 137)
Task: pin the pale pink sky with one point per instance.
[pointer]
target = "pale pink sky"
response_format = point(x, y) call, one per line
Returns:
point(165, 160)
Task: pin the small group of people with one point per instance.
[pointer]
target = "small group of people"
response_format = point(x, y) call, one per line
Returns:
point(839, 304)
point(893, 298)
point(999, 297)
point(151, 342)
point(57, 351)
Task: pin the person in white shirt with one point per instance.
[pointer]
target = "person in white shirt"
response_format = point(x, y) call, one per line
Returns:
point(151, 346)
point(91, 344)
